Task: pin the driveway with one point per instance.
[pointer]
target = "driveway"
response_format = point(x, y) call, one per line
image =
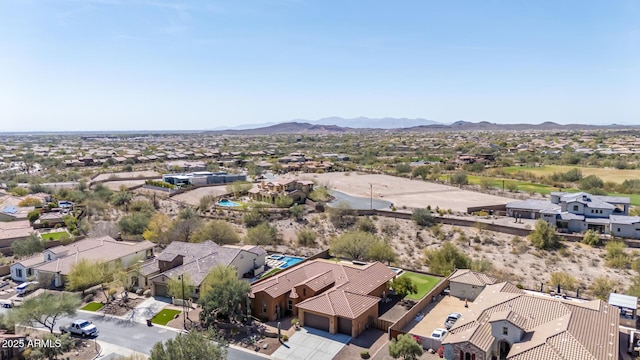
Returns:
point(311, 344)
point(358, 203)
point(147, 309)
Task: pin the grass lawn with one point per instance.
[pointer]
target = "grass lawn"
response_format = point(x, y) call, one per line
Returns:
point(606, 174)
point(164, 316)
point(53, 235)
point(424, 282)
point(92, 306)
point(270, 272)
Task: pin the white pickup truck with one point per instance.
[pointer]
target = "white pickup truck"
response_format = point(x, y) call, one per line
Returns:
point(80, 327)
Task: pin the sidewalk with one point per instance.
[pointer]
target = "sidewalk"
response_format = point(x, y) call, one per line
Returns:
point(111, 351)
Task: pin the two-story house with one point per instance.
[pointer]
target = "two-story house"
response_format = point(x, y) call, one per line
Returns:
point(269, 191)
point(576, 212)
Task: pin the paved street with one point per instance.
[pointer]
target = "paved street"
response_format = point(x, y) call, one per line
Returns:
point(139, 337)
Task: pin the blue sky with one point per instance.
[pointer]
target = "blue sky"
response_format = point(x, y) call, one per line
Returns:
point(156, 64)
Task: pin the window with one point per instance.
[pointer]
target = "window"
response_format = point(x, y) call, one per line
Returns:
point(264, 307)
point(467, 356)
point(575, 207)
point(19, 273)
point(48, 257)
point(618, 229)
point(592, 211)
point(29, 272)
point(505, 330)
point(304, 290)
point(290, 305)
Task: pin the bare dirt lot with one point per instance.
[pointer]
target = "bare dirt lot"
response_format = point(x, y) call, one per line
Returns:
point(126, 175)
point(117, 185)
point(193, 197)
point(405, 192)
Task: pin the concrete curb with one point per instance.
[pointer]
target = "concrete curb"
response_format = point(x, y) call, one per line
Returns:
point(240, 348)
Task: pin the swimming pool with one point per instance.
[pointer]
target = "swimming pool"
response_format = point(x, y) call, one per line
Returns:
point(289, 261)
point(282, 261)
point(228, 203)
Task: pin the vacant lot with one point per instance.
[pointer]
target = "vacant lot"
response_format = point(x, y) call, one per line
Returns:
point(117, 185)
point(127, 175)
point(192, 197)
point(606, 174)
point(406, 192)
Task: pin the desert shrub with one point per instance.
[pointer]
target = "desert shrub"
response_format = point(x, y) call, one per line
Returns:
point(423, 217)
point(591, 238)
point(366, 224)
point(564, 279)
point(616, 256)
point(307, 238)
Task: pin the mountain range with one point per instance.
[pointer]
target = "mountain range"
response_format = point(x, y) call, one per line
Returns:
point(363, 124)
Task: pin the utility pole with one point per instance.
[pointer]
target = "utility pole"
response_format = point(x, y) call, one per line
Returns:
point(184, 312)
point(371, 198)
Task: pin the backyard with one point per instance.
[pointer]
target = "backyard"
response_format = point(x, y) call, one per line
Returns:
point(54, 235)
point(424, 283)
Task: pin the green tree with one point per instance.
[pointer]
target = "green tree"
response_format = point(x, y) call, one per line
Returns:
point(403, 286)
point(366, 224)
point(403, 168)
point(121, 198)
point(33, 215)
point(421, 171)
point(405, 347)
point(254, 217)
point(381, 251)
point(564, 279)
point(544, 236)
point(46, 309)
point(176, 289)
point(157, 230)
point(634, 288)
point(224, 297)
point(616, 256)
point(284, 201)
point(459, 178)
point(591, 182)
point(297, 212)
point(239, 188)
point(27, 247)
point(218, 231)
point(423, 217)
point(320, 194)
point(481, 265)
point(445, 260)
point(135, 223)
point(353, 244)
point(85, 274)
point(263, 234)
point(591, 238)
point(189, 346)
point(342, 216)
point(602, 286)
point(306, 238)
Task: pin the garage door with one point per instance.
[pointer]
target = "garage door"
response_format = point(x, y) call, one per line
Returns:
point(316, 321)
point(161, 290)
point(344, 326)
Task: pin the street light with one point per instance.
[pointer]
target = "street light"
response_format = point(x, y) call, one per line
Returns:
point(184, 312)
point(371, 198)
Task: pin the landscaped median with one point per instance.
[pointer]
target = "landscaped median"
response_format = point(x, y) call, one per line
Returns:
point(423, 282)
point(164, 316)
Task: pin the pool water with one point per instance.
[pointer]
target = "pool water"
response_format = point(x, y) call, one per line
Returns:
point(289, 261)
point(229, 203)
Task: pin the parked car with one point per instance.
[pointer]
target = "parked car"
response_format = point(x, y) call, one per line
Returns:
point(26, 287)
point(439, 334)
point(80, 327)
point(451, 319)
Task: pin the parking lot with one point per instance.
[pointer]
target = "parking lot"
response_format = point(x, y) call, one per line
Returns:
point(435, 315)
